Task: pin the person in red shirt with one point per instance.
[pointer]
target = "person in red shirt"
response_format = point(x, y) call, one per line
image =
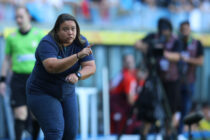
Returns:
point(123, 94)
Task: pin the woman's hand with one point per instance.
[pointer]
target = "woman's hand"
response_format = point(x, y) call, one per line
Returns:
point(85, 52)
point(72, 78)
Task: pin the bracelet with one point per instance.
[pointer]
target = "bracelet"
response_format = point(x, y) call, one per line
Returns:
point(2, 79)
point(78, 56)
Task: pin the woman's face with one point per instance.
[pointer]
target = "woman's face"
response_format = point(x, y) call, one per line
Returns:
point(67, 32)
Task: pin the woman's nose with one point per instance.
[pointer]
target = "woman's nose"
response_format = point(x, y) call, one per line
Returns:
point(70, 32)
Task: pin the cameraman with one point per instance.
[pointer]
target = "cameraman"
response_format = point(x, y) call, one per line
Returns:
point(191, 57)
point(161, 55)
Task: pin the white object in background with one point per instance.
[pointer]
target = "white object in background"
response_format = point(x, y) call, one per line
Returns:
point(84, 93)
point(106, 112)
point(181, 137)
point(195, 19)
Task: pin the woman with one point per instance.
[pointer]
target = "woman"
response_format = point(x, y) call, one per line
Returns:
point(51, 86)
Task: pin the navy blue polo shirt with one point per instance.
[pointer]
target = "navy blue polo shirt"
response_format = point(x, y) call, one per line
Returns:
point(40, 81)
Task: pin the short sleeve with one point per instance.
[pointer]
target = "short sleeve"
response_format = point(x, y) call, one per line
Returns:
point(89, 57)
point(8, 49)
point(86, 41)
point(46, 49)
point(199, 49)
point(129, 84)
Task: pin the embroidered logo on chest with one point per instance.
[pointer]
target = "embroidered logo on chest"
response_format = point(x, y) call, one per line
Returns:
point(34, 44)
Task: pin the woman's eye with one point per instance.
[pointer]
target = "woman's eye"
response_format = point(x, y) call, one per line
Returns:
point(65, 29)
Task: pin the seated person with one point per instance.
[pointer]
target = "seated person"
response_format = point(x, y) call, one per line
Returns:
point(123, 94)
point(204, 124)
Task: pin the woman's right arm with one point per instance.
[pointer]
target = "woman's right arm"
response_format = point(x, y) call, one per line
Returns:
point(54, 65)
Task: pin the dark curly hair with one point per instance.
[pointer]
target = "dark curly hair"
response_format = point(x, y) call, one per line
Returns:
point(61, 19)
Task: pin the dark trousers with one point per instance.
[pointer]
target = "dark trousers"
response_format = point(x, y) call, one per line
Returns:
point(172, 92)
point(187, 92)
point(58, 119)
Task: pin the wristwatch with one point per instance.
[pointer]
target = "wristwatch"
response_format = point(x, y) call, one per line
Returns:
point(79, 75)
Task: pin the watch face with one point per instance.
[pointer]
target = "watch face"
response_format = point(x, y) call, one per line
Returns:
point(78, 75)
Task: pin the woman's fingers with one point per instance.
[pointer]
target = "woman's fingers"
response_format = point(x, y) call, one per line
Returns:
point(90, 45)
point(90, 48)
point(67, 79)
point(91, 52)
point(86, 51)
point(72, 78)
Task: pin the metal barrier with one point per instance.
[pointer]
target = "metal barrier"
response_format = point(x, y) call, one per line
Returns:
point(8, 115)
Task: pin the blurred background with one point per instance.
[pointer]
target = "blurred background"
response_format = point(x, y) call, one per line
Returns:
point(113, 26)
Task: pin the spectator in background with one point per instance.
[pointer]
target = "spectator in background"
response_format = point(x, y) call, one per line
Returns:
point(191, 57)
point(151, 3)
point(123, 94)
point(166, 66)
point(204, 124)
point(163, 3)
point(179, 11)
point(205, 6)
point(20, 49)
point(7, 10)
point(180, 6)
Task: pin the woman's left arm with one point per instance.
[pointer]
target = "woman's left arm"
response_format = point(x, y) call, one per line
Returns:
point(88, 69)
